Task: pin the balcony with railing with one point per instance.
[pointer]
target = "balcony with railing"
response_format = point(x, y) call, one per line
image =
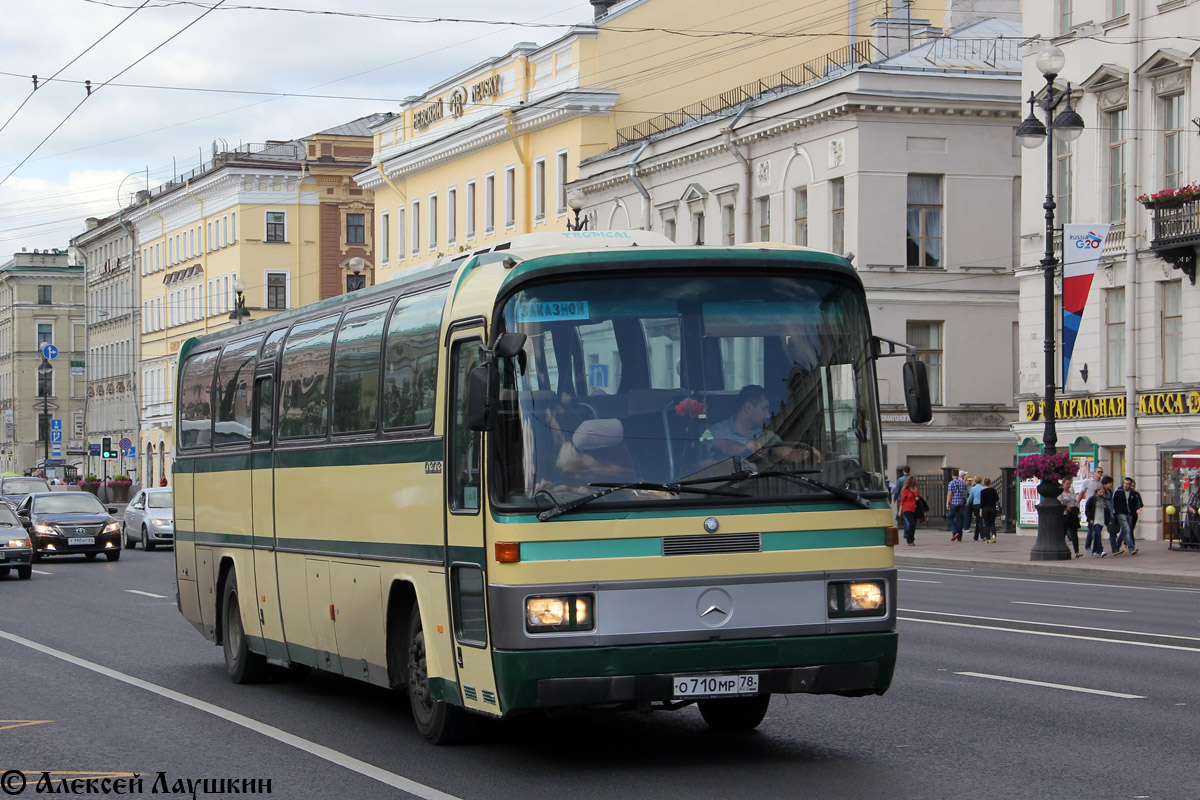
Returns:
point(1177, 235)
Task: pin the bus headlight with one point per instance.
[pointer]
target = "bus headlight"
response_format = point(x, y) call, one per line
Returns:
point(563, 613)
point(857, 599)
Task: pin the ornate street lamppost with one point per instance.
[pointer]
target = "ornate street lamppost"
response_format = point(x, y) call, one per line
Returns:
point(239, 312)
point(1051, 544)
point(575, 203)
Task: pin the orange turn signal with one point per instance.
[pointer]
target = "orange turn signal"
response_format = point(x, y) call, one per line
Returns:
point(891, 536)
point(508, 552)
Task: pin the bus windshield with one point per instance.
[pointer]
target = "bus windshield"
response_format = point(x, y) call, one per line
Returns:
point(692, 380)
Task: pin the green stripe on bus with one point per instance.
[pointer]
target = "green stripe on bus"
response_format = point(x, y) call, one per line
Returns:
point(325, 456)
point(672, 513)
point(398, 551)
point(652, 546)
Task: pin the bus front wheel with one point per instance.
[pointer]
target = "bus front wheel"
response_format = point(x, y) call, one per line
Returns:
point(734, 713)
point(242, 665)
point(437, 721)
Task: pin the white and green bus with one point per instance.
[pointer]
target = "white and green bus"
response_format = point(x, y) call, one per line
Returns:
point(577, 469)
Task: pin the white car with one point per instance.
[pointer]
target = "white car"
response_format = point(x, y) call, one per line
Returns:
point(149, 519)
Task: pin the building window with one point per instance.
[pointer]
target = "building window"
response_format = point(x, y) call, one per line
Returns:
point(416, 227)
point(1173, 140)
point(1172, 331)
point(451, 215)
point(727, 225)
point(1114, 123)
point(560, 184)
point(489, 204)
point(45, 295)
point(356, 229)
point(1114, 323)
point(401, 232)
point(43, 427)
point(45, 334)
point(1118, 9)
point(698, 227)
point(1064, 15)
point(927, 338)
point(1064, 152)
point(510, 197)
point(276, 223)
point(669, 227)
point(838, 220)
point(470, 209)
point(801, 217)
point(924, 221)
point(539, 189)
point(433, 220)
point(277, 290)
point(763, 211)
point(385, 244)
point(45, 383)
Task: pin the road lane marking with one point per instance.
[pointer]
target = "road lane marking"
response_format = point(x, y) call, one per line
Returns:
point(1079, 583)
point(915, 580)
point(936, 571)
point(270, 731)
point(6, 724)
point(147, 594)
point(1154, 645)
point(1054, 625)
point(1076, 608)
point(42, 572)
point(1062, 686)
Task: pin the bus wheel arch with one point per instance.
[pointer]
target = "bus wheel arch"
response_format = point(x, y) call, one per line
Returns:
point(242, 664)
point(401, 600)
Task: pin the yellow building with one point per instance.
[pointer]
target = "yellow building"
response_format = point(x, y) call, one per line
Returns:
point(488, 153)
point(280, 225)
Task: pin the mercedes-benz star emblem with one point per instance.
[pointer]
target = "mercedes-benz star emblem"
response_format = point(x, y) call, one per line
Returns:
point(714, 607)
point(711, 525)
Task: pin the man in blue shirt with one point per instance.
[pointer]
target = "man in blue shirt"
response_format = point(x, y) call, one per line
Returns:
point(956, 505)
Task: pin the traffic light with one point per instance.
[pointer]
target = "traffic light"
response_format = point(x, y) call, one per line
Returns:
point(106, 448)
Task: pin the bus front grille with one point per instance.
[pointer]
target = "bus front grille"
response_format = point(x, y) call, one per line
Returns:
point(725, 543)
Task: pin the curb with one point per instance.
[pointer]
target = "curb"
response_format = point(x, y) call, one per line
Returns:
point(1052, 568)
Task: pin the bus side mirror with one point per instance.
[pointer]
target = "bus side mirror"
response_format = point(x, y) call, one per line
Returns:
point(483, 391)
point(916, 391)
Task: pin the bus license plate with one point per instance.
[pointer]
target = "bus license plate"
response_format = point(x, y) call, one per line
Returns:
point(82, 540)
point(715, 685)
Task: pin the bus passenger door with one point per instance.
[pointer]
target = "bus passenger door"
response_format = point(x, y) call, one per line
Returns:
point(466, 557)
point(262, 493)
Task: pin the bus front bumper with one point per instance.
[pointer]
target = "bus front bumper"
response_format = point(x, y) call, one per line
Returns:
point(845, 664)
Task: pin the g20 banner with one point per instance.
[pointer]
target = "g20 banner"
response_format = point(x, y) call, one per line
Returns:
point(1082, 246)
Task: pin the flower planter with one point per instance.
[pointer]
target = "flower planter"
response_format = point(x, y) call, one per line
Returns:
point(92, 488)
point(118, 492)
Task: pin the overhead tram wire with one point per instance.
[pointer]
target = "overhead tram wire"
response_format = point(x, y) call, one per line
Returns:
point(93, 90)
point(69, 63)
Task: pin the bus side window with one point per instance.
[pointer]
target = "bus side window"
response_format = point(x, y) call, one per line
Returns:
point(264, 404)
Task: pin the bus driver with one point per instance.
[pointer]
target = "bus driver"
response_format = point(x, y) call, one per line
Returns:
point(742, 435)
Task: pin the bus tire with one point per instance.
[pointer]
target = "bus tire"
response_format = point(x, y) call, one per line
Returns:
point(436, 720)
point(242, 665)
point(734, 713)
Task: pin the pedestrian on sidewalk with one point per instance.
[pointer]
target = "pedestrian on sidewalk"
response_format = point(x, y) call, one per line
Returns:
point(1070, 501)
point(989, 501)
point(1126, 505)
point(956, 505)
point(1134, 521)
point(910, 500)
point(1098, 516)
point(1088, 486)
point(974, 507)
point(1114, 532)
point(905, 474)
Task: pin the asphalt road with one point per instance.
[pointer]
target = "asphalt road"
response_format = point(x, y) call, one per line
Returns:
point(1008, 686)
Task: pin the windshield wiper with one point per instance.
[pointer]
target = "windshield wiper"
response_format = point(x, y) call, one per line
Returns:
point(747, 472)
point(609, 488)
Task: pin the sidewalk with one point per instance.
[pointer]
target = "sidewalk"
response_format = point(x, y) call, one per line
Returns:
point(1011, 551)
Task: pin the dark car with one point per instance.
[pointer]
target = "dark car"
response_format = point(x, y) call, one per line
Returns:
point(67, 523)
point(14, 489)
point(15, 551)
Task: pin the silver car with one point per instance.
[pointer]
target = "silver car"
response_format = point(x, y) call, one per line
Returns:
point(149, 519)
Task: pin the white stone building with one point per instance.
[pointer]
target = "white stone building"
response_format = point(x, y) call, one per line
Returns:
point(1131, 400)
point(909, 163)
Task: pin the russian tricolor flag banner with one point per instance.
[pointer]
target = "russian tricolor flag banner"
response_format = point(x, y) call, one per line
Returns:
point(1082, 246)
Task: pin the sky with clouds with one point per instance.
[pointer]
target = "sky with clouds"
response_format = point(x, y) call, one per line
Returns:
point(217, 80)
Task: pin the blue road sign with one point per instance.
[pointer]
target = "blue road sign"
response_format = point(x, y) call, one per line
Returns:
point(125, 443)
point(49, 351)
point(55, 437)
point(93, 449)
point(131, 452)
point(56, 425)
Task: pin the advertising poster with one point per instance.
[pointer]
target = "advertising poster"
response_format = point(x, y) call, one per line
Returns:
point(1029, 500)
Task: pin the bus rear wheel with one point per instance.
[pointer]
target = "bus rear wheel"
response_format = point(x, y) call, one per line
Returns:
point(734, 713)
point(436, 720)
point(242, 665)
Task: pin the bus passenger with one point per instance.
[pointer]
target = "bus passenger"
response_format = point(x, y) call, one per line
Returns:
point(596, 453)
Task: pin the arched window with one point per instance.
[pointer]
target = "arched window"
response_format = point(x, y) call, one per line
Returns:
point(149, 466)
